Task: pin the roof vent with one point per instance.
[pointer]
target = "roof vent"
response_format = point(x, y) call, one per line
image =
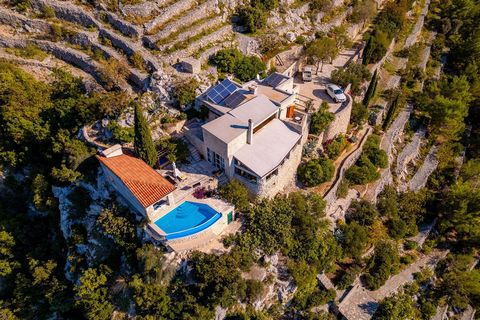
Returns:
point(250, 131)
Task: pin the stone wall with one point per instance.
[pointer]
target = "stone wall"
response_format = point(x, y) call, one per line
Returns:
point(68, 11)
point(16, 20)
point(217, 36)
point(286, 175)
point(167, 13)
point(331, 194)
point(124, 27)
point(196, 14)
point(129, 47)
point(340, 123)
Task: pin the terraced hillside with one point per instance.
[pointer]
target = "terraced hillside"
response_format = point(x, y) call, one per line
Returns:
point(119, 44)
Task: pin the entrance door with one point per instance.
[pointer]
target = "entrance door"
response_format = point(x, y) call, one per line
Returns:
point(230, 217)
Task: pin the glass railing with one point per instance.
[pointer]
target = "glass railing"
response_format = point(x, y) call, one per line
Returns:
point(194, 230)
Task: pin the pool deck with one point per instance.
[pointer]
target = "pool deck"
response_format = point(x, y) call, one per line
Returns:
point(216, 204)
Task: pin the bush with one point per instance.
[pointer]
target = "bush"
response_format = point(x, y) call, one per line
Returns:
point(335, 147)
point(249, 67)
point(376, 47)
point(121, 134)
point(175, 148)
point(233, 61)
point(343, 188)
point(354, 74)
point(185, 92)
point(384, 262)
point(251, 18)
point(362, 172)
point(236, 193)
point(320, 120)
point(316, 171)
point(359, 114)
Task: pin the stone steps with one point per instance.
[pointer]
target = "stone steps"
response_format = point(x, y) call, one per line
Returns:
point(184, 23)
point(212, 39)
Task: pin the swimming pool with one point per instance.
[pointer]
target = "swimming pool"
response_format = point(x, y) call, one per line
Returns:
point(187, 219)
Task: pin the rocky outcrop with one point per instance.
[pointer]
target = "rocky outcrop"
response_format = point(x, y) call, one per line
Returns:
point(17, 21)
point(123, 26)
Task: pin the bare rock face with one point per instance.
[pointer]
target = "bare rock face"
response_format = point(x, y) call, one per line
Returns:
point(162, 85)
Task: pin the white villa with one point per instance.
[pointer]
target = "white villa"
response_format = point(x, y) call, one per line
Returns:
point(254, 133)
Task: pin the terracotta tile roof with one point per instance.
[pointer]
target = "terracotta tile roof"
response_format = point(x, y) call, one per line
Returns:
point(147, 185)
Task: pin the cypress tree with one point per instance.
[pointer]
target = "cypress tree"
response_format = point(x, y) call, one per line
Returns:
point(367, 51)
point(391, 112)
point(143, 142)
point(372, 87)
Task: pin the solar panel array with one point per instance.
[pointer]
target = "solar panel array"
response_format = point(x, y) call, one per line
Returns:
point(235, 99)
point(222, 90)
point(274, 79)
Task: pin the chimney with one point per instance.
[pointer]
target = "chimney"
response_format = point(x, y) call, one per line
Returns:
point(250, 131)
point(253, 89)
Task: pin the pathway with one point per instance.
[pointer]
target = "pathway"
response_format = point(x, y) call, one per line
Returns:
point(361, 303)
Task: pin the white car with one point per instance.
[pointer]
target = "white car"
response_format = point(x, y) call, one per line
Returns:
point(336, 93)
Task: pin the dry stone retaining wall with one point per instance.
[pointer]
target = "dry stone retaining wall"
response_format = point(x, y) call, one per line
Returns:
point(124, 27)
point(68, 11)
point(167, 13)
point(16, 20)
point(198, 13)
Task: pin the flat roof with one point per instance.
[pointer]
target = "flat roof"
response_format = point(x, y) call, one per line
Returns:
point(146, 184)
point(272, 93)
point(226, 127)
point(270, 145)
point(257, 109)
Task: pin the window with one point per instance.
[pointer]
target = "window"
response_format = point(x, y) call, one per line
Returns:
point(244, 174)
point(215, 159)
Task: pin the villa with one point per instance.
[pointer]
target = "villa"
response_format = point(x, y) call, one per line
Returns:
point(185, 224)
point(254, 133)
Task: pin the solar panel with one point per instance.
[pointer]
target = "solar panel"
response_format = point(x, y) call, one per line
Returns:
point(222, 90)
point(274, 79)
point(235, 99)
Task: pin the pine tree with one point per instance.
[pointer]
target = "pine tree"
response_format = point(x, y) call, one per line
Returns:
point(391, 111)
point(372, 87)
point(143, 142)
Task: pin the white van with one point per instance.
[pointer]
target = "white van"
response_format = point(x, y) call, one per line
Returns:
point(307, 73)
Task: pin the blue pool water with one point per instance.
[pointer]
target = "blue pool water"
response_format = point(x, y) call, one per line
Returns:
point(187, 219)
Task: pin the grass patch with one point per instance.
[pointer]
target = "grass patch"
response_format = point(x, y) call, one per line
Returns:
point(30, 51)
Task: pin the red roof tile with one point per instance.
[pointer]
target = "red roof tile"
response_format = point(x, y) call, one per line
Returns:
point(147, 185)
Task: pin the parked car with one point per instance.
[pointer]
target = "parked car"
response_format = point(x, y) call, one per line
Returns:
point(307, 73)
point(336, 93)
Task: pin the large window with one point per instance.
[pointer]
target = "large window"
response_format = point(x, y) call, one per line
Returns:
point(244, 174)
point(215, 159)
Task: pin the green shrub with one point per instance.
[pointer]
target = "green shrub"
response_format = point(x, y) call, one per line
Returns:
point(185, 92)
point(359, 114)
point(335, 147)
point(252, 18)
point(320, 120)
point(316, 171)
point(236, 193)
point(343, 188)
